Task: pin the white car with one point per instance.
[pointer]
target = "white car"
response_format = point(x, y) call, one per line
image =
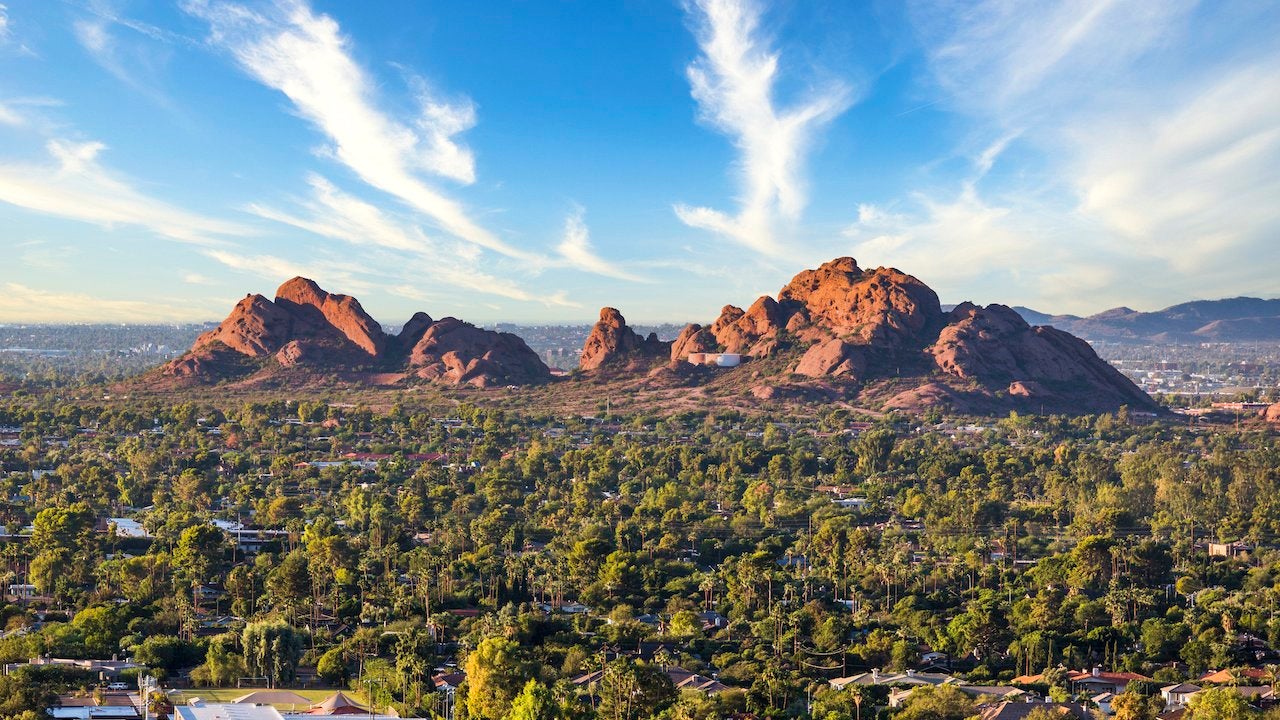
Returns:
point(118, 686)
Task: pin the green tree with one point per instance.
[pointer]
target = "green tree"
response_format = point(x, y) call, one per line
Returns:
point(197, 555)
point(535, 702)
point(272, 649)
point(1132, 706)
point(685, 624)
point(937, 702)
point(1220, 703)
point(496, 673)
point(166, 651)
point(61, 540)
point(332, 666)
point(631, 690)
point(223, 664)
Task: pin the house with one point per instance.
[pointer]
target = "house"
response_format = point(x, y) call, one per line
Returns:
point(998, 692)
point(898, 696)
point(685, 680)
point(126, 527)
point(23, 592)
point(448, 680)
point(104, 668)
point(1230, 677)
point(197, 709)
point(1089, 681)
point(910, 677)
point(1255, 694)
point(1234, 549)
point(681, 678)
point(712, 620)
point(107, 706)
point(94, 712)
point(1020, 710)
point(1179, 694)
point(1099, 681)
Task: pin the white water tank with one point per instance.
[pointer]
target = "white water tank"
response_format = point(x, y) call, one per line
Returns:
point(728, 360)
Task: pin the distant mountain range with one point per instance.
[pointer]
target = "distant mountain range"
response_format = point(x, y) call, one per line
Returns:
point(1241, 319)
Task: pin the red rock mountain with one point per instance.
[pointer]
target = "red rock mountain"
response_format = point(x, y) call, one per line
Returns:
point(310, 329)
point(883, 332)
point(1272, 413)
point(877, 338)
point(613, 343)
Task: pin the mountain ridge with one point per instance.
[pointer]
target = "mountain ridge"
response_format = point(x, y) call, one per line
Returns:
point(1238, 319)
point(835, 333)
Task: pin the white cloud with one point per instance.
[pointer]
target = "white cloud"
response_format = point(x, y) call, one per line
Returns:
point(575, 248)
point(76, 186)
point(138, 62)
point(1196, 185)
point(21, 303)
point(5, 30)
point(302, 54)
point(1015, 63)
point(1146, 153)
point(337, 215)
point(555, 299)
point(276, 269)
point(334, 214)
point(734, 82)
point(195, 278)
point(8, 116)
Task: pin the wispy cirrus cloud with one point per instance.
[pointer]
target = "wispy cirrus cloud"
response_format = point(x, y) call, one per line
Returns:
point(734, 81)
point(575, 249)
point(137, 58)
point(1194, 185)
point(330, 272)
point(302, 54)
point(337, 215)
point(1152, 156)
point(75, 185)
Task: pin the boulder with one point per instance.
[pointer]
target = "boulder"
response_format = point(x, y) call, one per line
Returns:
point(833, 358)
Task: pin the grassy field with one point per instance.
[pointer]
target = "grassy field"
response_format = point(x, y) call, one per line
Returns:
point(226, 695)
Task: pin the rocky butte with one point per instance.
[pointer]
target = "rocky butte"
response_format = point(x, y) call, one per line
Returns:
point(877, 339)
point(880, 336)
point(307, 331)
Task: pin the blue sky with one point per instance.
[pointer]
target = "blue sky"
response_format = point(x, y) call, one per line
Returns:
point(533, 161)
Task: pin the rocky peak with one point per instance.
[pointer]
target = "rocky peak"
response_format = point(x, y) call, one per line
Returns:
point(256, 327)
point(753, 331)
point(458, 352)
point(883, 305)
point(301, 291)
point(307, 327)
point(693, 339)
point(413, 330)
point(331, 312)
point(995, 348)
point(611, 341)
